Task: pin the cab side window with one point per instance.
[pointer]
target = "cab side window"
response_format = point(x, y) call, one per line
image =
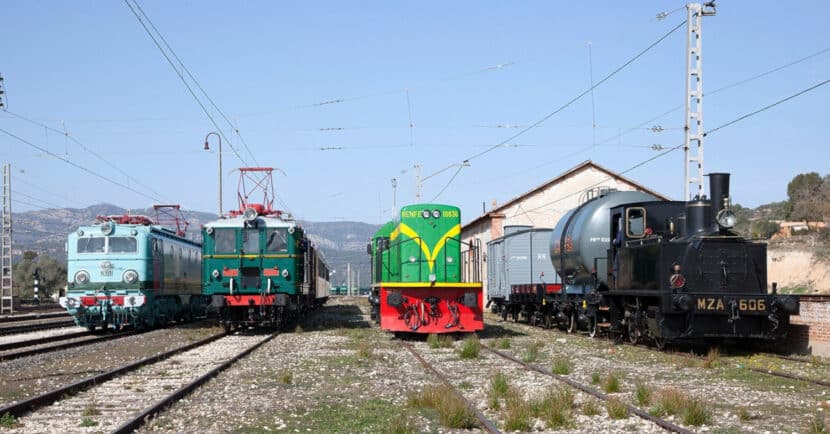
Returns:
point(635, 222)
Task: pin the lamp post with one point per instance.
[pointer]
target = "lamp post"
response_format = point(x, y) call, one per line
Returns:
point(207, 148)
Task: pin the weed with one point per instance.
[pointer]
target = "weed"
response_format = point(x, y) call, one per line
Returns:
point(298, 329)
point(364, 349)
point(642, 394)
point(399, 425)
point(590, 408)
point(471, 348)
point(616, 409)
point(465, 385)
point(595, 378)
point(555, 408)
point(532, 352)
point(561, 365)
point(669, 401)
point(503, 343)
point(695, 412)
point(8, 421)
point(817, 425)
point(286, 377)
point(519, 412)
point(499, 385)
point(91, 409)
point(88, 422)
point(744, 414)
point(712, 358)
point(611, 384)
point(168, 387)
point(452, 410)
point(439, 341)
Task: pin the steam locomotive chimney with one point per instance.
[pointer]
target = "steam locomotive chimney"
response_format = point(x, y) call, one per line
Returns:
point(718, 190)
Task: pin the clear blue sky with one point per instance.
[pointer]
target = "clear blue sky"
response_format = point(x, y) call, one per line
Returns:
point(266, 64)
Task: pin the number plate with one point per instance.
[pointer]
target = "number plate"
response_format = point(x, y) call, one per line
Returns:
point(718, 304)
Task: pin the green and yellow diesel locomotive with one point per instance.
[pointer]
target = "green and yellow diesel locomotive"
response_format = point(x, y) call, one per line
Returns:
point(424, 278)
point(258, 266)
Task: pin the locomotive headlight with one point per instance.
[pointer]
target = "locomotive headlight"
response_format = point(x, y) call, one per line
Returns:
point(81, 277)
point(436, 214)
point(80, 233)
point(130, 276)
point(250, 214)
point(107, 228)
point(726, 218)
point(285, 274)
point(412, 259)
point(215, 274)
point(449, 259)
point(133, 232)
point(209, 230)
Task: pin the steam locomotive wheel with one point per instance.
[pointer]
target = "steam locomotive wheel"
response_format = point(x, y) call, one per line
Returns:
point(592, 326)
point(572, 323)
point(633, 333)
point(660, 343)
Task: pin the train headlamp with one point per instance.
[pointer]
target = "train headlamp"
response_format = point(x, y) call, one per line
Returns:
point(449, 259)
point(436, 214)
point(285, 274)
point(726, 219)
point(133, 232)
point(412, 259)
point(425, 213)
point(81, 277)
point(291, 229)
point(215, 274)
point(107, 228)
point(80, 233)
point(130, 276)
point(250, 214)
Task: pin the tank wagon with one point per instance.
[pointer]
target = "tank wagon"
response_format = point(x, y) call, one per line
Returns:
point(520, 275)
point(665, 271)
point(424, 278)
point(129, 270)
point(259, 267)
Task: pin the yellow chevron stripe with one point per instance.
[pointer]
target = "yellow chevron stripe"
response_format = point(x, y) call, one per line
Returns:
point(278, 255)
point(408, 231)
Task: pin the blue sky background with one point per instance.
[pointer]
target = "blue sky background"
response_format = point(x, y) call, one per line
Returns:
point(89, 66)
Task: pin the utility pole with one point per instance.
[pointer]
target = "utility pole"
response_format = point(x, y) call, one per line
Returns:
point(2, 94)
point(6, 296)
point(394, 195)
point(693, 144)
point(349, 278)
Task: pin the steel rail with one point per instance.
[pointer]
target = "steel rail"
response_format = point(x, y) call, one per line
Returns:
point(33, 316)
point(591, 391)
point(44, 340)
point(487, 423)
point(150, 412)
point(34, 327)
point(20, 408)
point(49, 349)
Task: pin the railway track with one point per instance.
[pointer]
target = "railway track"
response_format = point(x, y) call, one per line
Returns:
point(590, 391)
point(59, 342)
point(40, 325)
point(123, 399)
point(486, 423)
point(33, 316)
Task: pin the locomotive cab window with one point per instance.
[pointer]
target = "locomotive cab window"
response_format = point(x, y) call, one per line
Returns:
point(91, 245)
point(250, 241)
point(122, 245)
point(276, 241)
point(635, 222)
point(224, 241)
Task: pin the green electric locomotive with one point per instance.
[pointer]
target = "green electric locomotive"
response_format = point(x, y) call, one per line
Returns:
point(258, 266)
point(424, 278)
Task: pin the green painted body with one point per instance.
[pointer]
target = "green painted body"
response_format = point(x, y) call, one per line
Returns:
point(423, 245)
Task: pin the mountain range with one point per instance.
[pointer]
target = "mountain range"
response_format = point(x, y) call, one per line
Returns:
point(343, 243)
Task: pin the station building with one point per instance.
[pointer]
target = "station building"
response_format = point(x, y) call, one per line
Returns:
point(544, 205)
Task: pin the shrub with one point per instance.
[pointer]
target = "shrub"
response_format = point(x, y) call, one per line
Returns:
point(561, 365)
point(616, 409)
point(471, 348)
point(611, 384)
point(642, 394)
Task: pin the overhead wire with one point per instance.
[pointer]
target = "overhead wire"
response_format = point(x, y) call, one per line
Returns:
point(53, 205)
point(77, 166)
point(195, 81)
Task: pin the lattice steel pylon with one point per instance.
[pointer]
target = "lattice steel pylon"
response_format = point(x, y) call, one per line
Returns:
point(693, 145)
point(6, 296)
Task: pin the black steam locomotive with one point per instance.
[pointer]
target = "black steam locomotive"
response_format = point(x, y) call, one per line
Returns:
point(665, 271)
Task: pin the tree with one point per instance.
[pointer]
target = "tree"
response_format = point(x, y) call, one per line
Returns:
point(805, 197)
point(51, 275)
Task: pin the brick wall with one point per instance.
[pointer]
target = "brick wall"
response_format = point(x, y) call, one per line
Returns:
point(811, 330)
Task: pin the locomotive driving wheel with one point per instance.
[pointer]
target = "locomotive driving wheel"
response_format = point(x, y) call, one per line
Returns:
point(633, 333)
point(660, 343)
point(572, 322)
point(592, 325)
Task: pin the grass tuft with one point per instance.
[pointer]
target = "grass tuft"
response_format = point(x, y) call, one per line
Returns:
point(8, 421)
point(611, 384)
point(86, 422)
point(744, 414)
point(616, 409)
point(642, 394)
point(519, 412)
point(669, 401)
point(286, 377)
point(298, 329)
point(364, 349)
point(452, 410)
point(471, 348)
point(555, 408)
point(595, 378)
point(695, 412)
point(503, 344)
point(817, 425)
point(561, 365)
point(439, 341)
point(532, 352)
point(590, 408)
point(712, 359)
point(399, 425)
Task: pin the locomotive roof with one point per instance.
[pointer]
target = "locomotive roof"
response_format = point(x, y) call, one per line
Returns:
point(239, 221)
point(125, 229)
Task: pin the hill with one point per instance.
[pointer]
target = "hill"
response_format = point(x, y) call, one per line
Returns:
point(45, 231)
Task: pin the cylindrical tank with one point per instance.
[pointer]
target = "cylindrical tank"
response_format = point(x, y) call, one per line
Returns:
point(584, 234)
